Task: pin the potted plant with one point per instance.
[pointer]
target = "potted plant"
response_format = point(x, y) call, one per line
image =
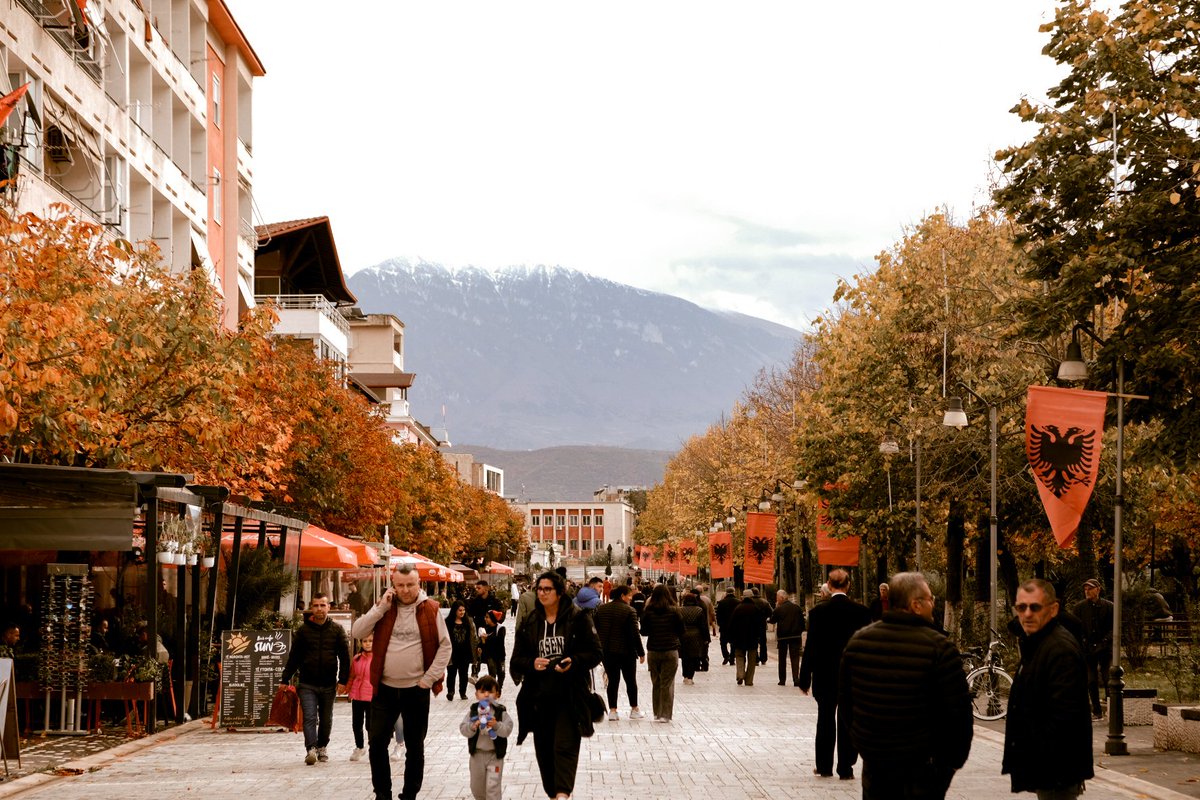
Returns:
point(171, 536)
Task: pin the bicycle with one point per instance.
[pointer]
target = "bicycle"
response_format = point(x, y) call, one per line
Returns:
point(990, 686)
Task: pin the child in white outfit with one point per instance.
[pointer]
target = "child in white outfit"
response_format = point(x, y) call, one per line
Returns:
point(486, 726)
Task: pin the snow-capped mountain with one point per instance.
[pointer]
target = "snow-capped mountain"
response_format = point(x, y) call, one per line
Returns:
point(538, 357)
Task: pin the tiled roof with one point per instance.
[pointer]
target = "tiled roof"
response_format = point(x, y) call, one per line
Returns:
point(278, 228)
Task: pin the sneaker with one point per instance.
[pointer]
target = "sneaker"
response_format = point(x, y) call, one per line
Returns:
point(471, 680)
point(357, 753)
point(662, 719)
point(397, 751)
point(450, 697)
point(688, 682)
point(311, 757)
point(322, 755)
point(612, 715)
point(635, 714)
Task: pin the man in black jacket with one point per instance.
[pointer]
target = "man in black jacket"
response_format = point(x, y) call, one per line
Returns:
point(789, 625)
point(904, 694)
point(321, 654)
point(724, 611)
point(830, 626)
point(1096, 615)
point(617, 626)
point(1047, 735)
point(747, 626)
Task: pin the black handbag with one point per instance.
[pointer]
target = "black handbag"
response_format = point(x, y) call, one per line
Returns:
point(597, 705)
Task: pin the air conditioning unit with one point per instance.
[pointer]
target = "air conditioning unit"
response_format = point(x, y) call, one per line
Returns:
point(58, 145)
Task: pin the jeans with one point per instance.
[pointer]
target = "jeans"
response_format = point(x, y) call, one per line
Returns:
point(459, 671)
point(789, 647)
point(690, 666)
point(317, 705)
point(360, 717)
point(663, 665)
point(917, 782)
point(745, 661)
point(1097, 672)
point(412, 706)
point(495, 667)
point(616, 667)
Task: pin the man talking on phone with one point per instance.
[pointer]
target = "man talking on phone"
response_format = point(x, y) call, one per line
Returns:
point(412, 649)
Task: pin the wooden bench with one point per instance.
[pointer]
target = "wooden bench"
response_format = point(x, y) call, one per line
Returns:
point(1165, 632)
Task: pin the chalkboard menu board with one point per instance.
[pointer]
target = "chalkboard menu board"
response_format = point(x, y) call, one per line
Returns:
point(251, 665)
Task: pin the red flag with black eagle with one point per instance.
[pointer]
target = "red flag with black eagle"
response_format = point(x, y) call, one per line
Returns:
point(831, 550)
point(671, 557)
point(1064, 431)
point(687, 558)
point(759, 566)
point(720, 555)
point(9, 101)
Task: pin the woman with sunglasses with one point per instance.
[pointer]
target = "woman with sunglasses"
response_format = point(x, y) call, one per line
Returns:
point(555, 650)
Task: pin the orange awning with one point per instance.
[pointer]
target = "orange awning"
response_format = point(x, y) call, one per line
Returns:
point(319, 549)
point(499, 569)
point(365, 554)
point(426, 570)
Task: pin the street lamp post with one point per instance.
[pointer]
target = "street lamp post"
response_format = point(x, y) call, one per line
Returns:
point(1073, 368)
point(955, 417)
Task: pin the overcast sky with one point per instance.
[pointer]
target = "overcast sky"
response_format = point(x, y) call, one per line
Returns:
point(742, 155)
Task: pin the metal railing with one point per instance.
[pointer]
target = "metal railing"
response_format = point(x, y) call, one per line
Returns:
point(307, 302)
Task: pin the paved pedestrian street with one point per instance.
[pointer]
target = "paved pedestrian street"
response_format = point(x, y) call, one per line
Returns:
point(727, 742)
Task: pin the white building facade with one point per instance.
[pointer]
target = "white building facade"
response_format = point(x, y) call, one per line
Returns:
point(578, 529)
point(138, 118)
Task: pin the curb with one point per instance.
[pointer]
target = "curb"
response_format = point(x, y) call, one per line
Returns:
point(1110, 777)
point(101, 759)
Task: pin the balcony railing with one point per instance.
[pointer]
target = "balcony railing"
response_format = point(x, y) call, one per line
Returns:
point(307, 302)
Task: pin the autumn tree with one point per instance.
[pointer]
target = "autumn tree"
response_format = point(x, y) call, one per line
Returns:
point(1123, 256)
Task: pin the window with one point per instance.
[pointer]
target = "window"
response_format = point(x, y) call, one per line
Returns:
point(535, 521)
point(574, 520)
point(587, 545)
point(216, 101)
point(216, 195)
point(587, 520)
point(599, 520)
point(562, 521)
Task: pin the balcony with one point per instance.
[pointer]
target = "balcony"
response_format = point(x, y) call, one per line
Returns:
point(309, 316)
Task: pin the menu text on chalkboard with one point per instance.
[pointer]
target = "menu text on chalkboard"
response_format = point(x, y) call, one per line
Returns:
point(252, 665)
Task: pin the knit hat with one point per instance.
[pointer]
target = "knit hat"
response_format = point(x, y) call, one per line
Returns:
point(587, 598)
point(747, 593)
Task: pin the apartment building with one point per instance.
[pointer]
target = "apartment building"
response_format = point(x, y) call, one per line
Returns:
point(137, 117)
point(577, 530)
point(476, 473)
point(376, 362)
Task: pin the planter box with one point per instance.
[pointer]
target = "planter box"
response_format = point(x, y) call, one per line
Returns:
point(1139, 706)
point(140, 691)
point(1177, 728)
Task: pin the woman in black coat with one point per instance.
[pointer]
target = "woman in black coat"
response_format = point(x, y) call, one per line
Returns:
point(662, 626)
point(554, 653)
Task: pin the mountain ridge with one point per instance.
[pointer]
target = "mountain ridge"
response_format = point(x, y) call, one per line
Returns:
point(534, 357)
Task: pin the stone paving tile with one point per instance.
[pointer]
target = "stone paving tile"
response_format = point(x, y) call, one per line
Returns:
point(726, 743)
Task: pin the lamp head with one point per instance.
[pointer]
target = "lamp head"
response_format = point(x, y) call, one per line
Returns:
point(955, 417)
point(1073, 367)
point(889, 447)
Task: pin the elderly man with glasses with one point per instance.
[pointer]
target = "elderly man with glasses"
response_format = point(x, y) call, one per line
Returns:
point(1048, 733)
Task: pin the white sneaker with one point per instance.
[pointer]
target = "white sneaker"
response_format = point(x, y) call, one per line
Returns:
point(357, 753)
point(397, 751)
point(612, 715)
point(688, 681)
point(635, 714)
point(310, 757)
point(322, 755)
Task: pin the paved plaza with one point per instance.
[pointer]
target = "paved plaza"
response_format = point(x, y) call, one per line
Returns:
point(727, 742)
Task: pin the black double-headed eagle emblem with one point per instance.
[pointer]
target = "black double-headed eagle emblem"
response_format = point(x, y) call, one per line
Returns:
point(1061, 459)
point(760, 548)
point(720, 553)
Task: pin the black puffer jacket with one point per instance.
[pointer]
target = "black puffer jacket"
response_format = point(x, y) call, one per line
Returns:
point(320, 653)
point(1048, 736)
point(903, 689)
point(662, 628)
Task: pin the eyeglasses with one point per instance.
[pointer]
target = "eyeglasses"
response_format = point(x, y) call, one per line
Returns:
point(545, 588)
point(1021, 608)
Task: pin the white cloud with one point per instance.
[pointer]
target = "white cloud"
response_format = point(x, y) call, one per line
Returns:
point(659, 144)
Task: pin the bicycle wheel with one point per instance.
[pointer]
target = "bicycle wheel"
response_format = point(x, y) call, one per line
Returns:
point(989, 688)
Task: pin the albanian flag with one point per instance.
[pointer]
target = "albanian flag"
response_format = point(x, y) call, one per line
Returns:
point(759, 566)
point(10, 100)
point(720, 555)
point(671, 557)
point(687, 558)
point(1064, 429)
point(831, 550)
